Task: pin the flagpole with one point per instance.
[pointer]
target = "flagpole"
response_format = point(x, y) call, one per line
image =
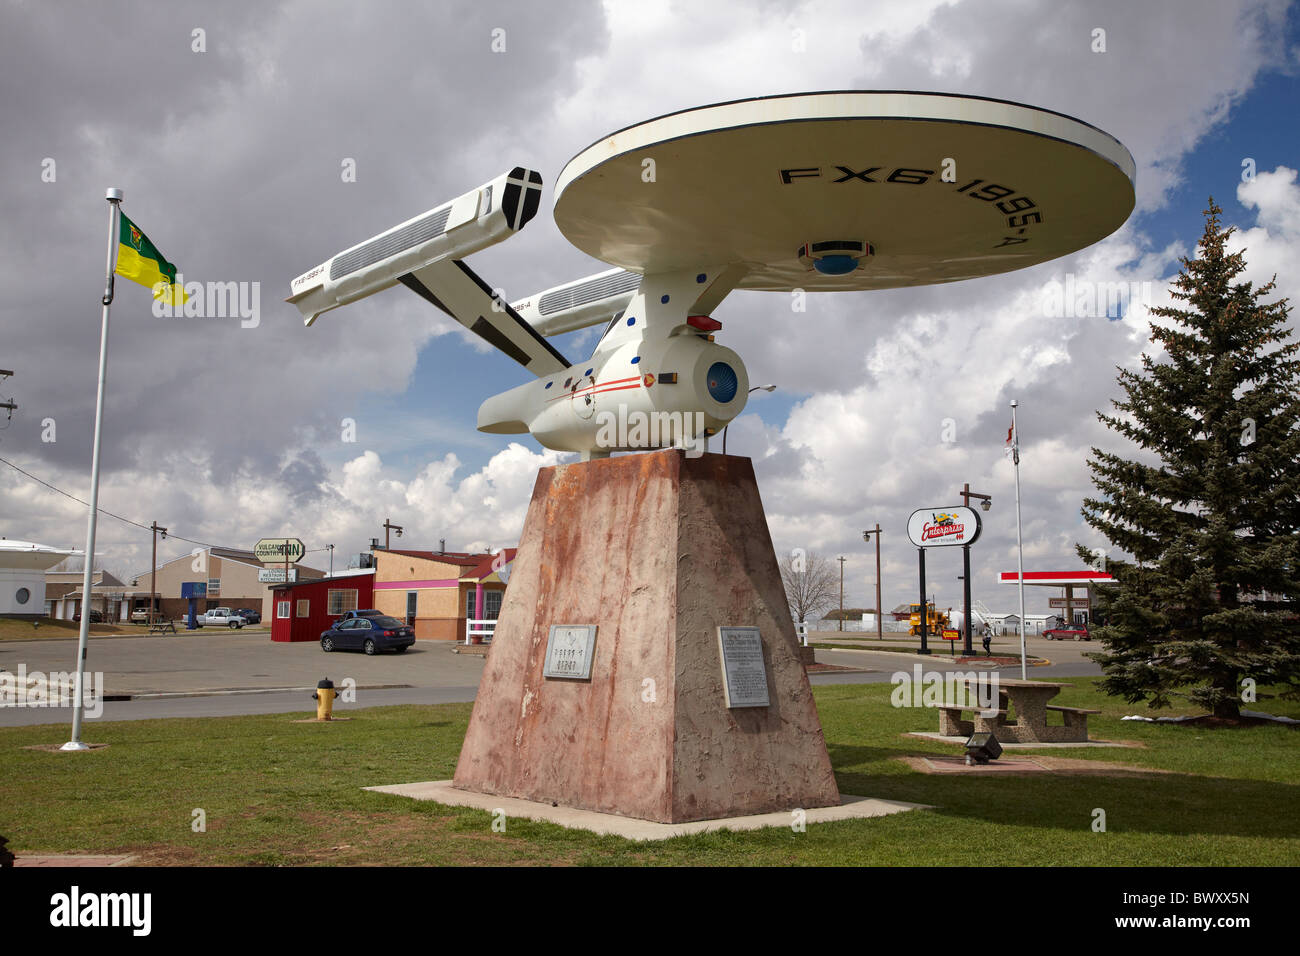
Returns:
point(1020, 545)
point(114, 197)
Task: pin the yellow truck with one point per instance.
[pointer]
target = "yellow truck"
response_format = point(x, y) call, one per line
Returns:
point(936, 623)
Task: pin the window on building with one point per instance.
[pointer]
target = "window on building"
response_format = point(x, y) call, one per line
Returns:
point(412, 604)
point(22, 595)
point(341, 601)
point(304, 606)
point(491, 605)
point(282, 609)
point(214, 587)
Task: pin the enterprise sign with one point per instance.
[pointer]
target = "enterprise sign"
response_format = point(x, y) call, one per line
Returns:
point(943, 527)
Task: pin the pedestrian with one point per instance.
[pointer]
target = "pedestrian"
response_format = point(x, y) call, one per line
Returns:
point(988, 640)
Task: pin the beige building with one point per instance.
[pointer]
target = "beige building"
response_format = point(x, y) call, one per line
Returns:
point(230, 576)
point(437, 591)
point(109, 596)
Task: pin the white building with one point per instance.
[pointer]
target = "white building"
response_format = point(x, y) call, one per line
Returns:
point(22, 576)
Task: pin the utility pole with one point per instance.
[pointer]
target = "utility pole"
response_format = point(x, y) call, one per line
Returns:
point(7, 373)
point(153, 571)
point(986, 502)
point(331, 547)
point(1020, 543)
point(842, 560)
point(880, 625)
point(389, 526)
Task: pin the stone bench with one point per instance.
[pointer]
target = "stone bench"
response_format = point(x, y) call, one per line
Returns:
point(1076, 718)
point(951, 723)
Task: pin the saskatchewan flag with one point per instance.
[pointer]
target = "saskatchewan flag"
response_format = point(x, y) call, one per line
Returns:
point(139, 260)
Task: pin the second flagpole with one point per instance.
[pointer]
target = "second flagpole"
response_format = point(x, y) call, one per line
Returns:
point(1020, 545)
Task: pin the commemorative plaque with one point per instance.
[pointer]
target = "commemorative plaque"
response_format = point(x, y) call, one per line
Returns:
point(744, 675)
point(569, 650)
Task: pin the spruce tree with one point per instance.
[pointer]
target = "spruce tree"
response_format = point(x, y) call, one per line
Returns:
point(1208, 518)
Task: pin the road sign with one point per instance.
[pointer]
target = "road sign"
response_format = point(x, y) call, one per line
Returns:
point(276, 575)
point(278, 550)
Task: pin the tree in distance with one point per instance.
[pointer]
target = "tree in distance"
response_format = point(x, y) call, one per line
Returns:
point(1208, 514)
point(811, 584)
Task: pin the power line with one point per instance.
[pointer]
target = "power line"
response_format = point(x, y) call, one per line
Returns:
point(105, 511)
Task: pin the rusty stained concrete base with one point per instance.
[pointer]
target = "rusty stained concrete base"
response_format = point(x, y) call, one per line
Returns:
point(611, 824)
point(657, 550)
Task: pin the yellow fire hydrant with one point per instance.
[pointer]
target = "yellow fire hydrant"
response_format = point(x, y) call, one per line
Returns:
point(324, 697)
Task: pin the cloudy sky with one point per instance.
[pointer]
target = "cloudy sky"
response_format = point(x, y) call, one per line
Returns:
point(229, 129)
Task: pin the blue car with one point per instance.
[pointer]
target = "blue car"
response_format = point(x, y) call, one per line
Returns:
point(369, 634)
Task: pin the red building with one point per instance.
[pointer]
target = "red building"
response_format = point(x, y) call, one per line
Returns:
point(302, 611)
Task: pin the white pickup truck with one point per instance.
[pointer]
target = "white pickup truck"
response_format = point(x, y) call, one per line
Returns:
point(219, 617)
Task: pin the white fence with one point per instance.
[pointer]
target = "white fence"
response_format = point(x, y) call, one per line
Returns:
point(483, 629)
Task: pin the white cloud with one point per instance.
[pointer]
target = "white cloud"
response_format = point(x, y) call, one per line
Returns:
point(208, 426)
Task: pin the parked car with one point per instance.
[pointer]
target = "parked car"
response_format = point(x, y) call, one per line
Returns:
point(369, 634)
point(363, 612)
point(140, 615)
point(1075, 632)
point(249, 615)
point(96, 617)
point(221, 617)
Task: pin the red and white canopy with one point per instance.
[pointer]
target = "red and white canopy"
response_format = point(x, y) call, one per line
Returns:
point(1058, 579)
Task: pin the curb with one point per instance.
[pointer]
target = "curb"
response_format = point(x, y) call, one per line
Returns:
point(233, 691)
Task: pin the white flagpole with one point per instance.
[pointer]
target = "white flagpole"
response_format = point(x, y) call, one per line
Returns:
point(114, 196)
point(1020, 545)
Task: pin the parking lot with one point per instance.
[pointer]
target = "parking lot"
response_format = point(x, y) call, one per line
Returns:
point(227, 672)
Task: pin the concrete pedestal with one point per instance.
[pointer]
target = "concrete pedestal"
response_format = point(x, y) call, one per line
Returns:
point(657, 550)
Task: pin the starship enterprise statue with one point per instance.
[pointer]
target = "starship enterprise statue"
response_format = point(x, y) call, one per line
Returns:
point(645, 661)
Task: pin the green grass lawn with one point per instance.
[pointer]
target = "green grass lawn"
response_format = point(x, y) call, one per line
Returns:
point(12, 629)
point(277, 792)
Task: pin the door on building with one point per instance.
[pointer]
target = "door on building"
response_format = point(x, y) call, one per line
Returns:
point(412, 598)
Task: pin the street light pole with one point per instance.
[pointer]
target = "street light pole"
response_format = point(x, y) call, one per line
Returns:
point(986, 502)
point(389, 526)
point(866, 536)
point(1020, 544)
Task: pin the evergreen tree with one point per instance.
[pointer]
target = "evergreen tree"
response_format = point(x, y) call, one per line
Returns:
point(1208, 594)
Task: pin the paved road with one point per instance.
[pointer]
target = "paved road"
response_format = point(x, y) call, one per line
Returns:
point(1065, 657)
point(211, 665)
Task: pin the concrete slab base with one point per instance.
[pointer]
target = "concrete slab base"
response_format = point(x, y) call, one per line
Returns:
point(961, 741)
point(611, 824)
point(958, 765)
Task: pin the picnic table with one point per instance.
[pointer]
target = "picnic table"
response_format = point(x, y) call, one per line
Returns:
point(159, 626)
point(1030, 699)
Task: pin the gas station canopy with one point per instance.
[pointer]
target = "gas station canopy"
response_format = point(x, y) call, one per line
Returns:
point(1059, 579)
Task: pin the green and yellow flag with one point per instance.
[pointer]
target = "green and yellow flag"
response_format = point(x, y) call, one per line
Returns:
point(139, 260)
